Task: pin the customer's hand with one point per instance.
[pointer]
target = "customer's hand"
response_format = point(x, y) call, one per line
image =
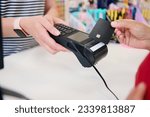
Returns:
point(39, 26)
point(132, 33)
point(138, 92)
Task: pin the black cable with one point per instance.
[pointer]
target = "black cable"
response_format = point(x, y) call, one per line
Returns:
point(101, 78)
point(1, 95)
point(87, 59)
point(105, 82)
point(13, 94)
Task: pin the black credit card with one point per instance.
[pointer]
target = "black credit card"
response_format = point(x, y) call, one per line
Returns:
point(102, 31)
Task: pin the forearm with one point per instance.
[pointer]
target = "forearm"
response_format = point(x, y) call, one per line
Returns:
point(7, 27)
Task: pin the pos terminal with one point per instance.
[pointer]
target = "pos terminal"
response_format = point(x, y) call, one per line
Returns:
point(88, 48)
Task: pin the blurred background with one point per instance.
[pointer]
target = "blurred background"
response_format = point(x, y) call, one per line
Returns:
point(83, 14)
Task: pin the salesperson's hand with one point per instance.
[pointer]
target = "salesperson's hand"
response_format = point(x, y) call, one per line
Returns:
point(38, 27)
point(132, 33)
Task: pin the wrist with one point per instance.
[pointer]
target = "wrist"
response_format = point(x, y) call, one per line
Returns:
point(18, 28)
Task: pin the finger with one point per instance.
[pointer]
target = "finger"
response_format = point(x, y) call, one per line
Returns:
point(49, 49)
point(57, 20)
point(52, 51)
point(48, 26)
point(127, 34)
point(43, 35)
point(50, 19)
point(116, 30)
point(60, 47)
point(55, 45)
point(125, 23)
point(121, 39)
point(138, 93)
point(118, 33)
point(122, 30)
point(127, 37)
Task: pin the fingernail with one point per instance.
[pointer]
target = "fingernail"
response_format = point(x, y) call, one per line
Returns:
point(114, 23)
point(57, 32)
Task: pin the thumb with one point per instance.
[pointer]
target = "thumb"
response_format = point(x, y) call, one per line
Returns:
point(125, 23)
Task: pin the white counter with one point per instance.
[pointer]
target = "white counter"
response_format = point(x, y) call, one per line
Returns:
point(40, 75)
